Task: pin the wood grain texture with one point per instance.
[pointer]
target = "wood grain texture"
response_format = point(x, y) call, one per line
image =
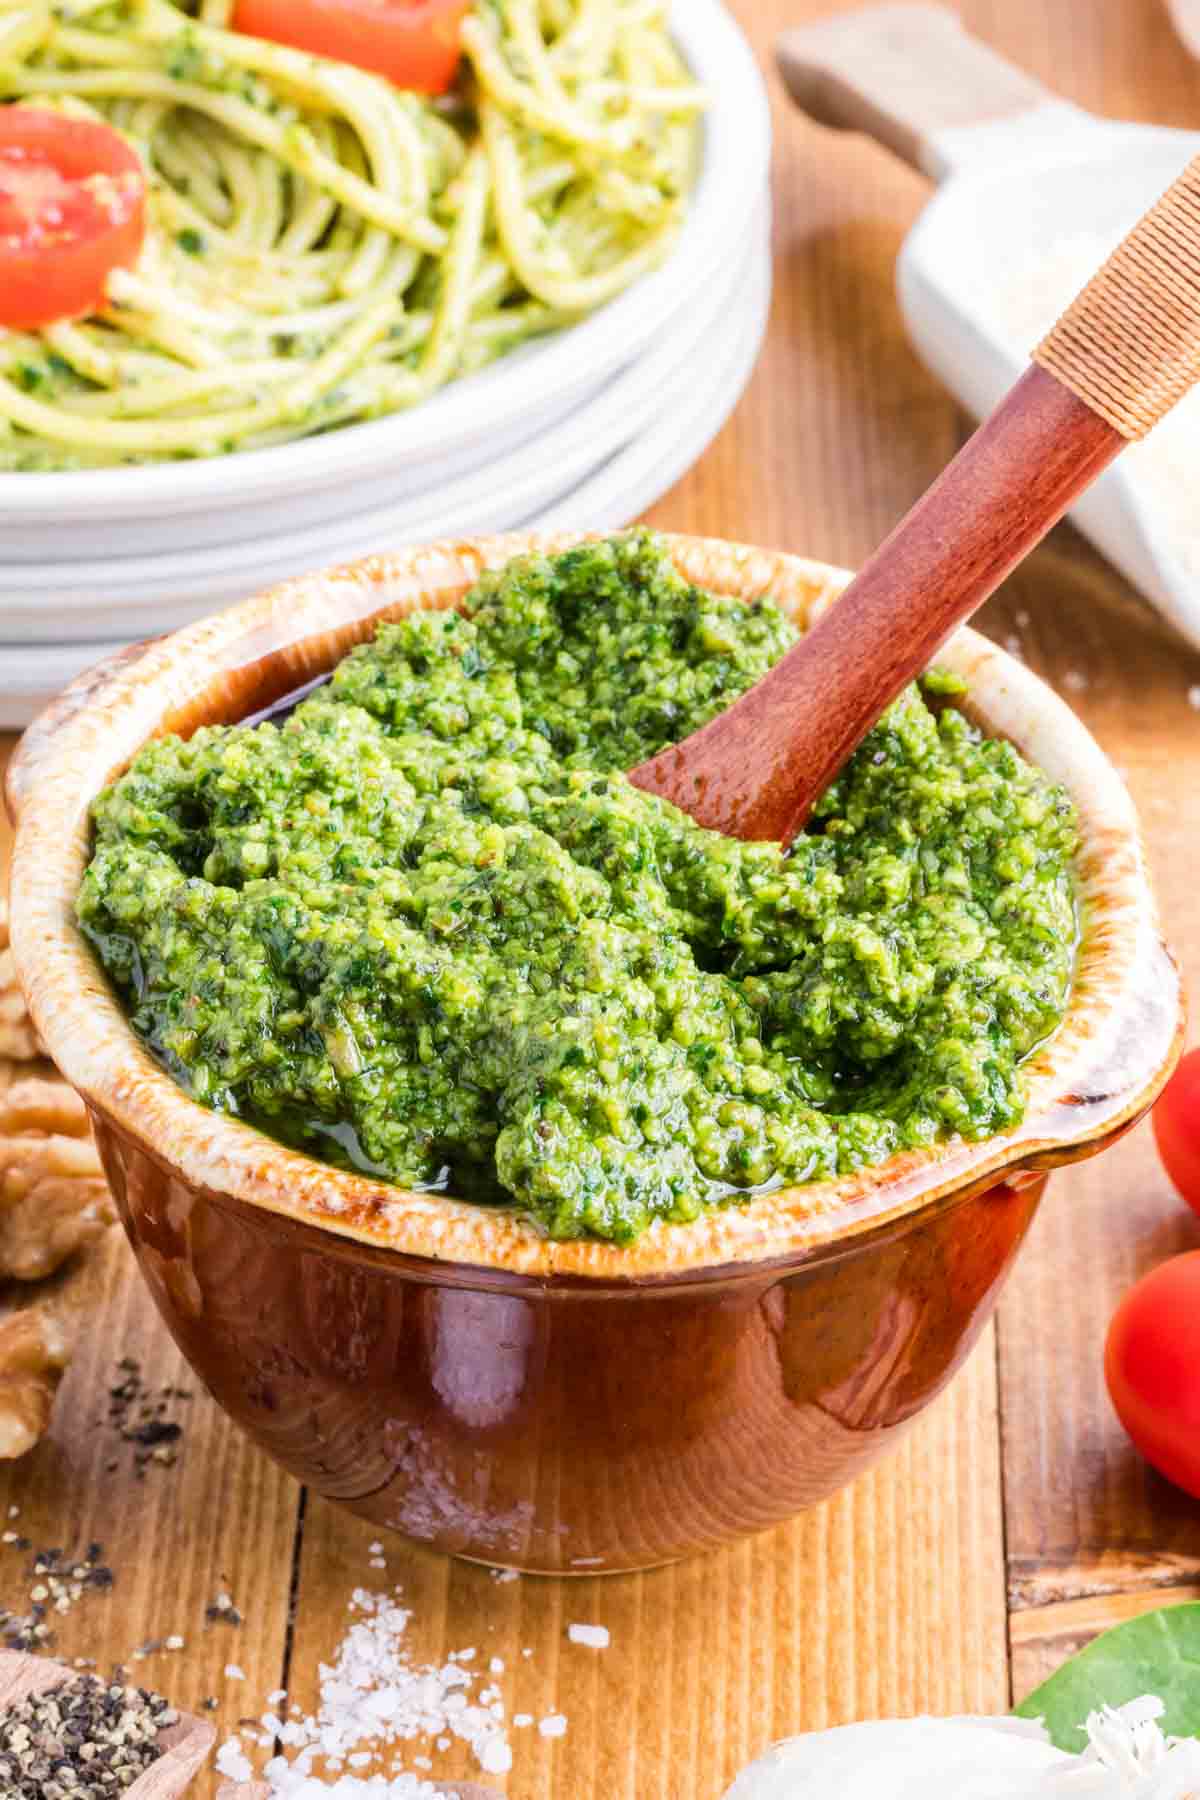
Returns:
point(220, 1519)
point(886, 1600)
point(892, 1597)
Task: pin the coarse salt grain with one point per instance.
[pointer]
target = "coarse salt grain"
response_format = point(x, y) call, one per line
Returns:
point(233, 1673)
point(231, 1761)
point(298, 1786)
point(371, 1698)
point(595, 1637)
point(1194, 696)
point(554, 1725)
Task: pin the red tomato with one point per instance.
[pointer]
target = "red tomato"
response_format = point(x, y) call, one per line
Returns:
point(1177, 1128)
point(1152, 1365)
point(72, 209)
point(413, 42)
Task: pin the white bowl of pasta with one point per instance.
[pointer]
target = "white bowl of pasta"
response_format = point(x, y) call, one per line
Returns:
point(620, 489)
point(653, 417)
point(649, 437)
point(324, 249)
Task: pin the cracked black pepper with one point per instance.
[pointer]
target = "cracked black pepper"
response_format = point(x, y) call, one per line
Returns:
point(85, 1740)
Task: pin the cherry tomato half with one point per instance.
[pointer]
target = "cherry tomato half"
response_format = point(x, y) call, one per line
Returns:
point(1177, 1128)
point(415, 43)
point(72, 209)
point(1152, 1366)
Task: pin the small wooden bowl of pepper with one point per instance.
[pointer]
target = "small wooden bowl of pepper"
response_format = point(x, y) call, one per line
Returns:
point(60, 1730)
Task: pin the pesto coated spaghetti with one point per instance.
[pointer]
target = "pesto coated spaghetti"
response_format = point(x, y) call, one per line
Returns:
point(323, 247)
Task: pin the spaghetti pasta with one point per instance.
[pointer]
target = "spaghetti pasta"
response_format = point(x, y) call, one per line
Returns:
point(322, 247)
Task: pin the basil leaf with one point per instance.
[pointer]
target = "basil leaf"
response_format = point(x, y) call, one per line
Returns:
point(1158, 1653)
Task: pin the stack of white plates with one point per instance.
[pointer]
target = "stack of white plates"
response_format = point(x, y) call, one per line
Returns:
point(587, 428)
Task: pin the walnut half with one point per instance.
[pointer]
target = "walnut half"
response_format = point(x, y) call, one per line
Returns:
point(53, 1202)
point(53, 1196)
point(35, 1348)
point(18, 1039)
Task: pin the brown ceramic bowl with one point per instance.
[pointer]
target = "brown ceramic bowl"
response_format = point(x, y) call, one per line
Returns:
point(445, 1370)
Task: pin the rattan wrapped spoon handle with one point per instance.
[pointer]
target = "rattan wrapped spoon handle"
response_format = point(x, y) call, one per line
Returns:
point(1120, 357)
point(1129, 345)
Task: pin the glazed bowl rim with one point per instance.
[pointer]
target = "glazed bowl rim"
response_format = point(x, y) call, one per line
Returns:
point(1097, 1073)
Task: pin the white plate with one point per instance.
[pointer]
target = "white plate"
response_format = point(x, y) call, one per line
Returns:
point(122, 598)
point(630, 483)
point(170, 506)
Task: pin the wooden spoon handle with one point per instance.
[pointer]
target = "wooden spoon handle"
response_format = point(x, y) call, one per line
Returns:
point(754, 771)
point(1129, 345)
point(1119, 358)
point(902, 74)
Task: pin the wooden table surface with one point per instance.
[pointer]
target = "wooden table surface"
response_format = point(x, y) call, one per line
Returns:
point(1015, 1520)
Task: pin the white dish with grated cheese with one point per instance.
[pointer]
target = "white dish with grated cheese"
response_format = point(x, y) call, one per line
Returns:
point(1026, 215)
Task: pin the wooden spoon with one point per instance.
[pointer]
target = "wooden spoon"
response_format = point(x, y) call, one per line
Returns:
point(185, 1746)
point(1119, 358)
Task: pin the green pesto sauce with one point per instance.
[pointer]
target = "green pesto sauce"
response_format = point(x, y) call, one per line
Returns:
point(425, 928)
